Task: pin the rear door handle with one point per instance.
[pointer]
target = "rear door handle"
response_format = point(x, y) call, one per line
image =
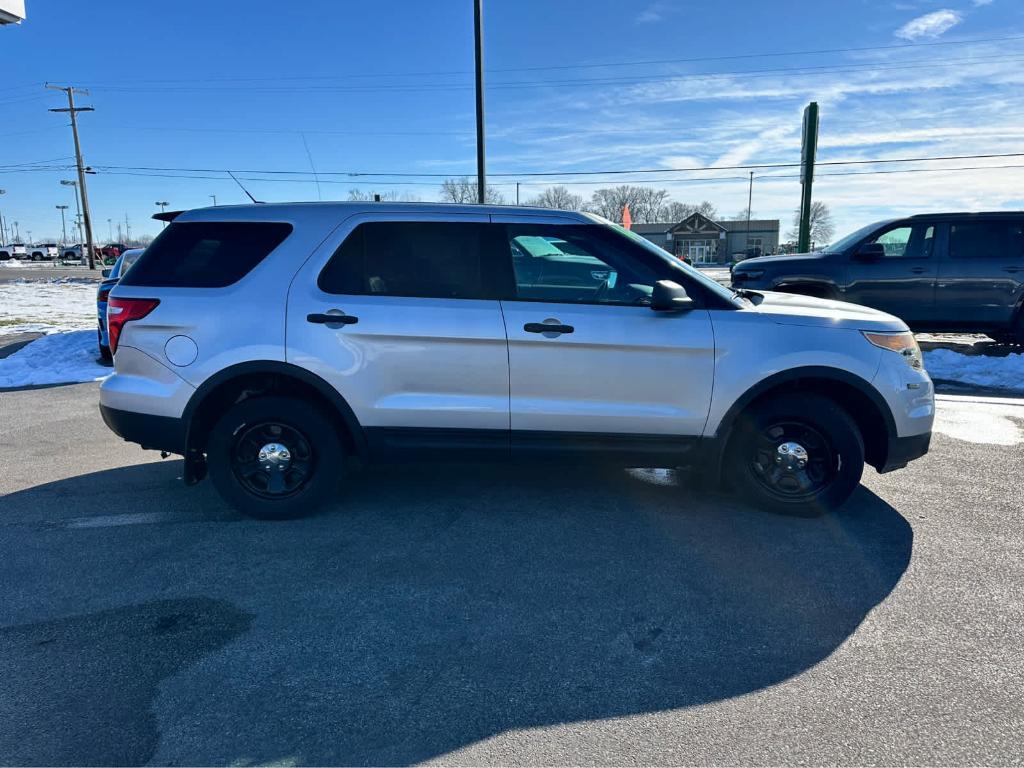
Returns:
point(1012, 270)
point(919, 270)
point(329, 319)
point(547, 328)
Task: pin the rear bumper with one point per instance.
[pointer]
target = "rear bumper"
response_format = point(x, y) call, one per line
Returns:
point(161, 433)
point(903, 450)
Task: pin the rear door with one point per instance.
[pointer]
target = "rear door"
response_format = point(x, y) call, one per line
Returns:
point(902, 282)
point(419, 349)
point(981, 275)
point(592, 368)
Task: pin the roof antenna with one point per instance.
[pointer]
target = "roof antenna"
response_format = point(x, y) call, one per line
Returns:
point(258, 202)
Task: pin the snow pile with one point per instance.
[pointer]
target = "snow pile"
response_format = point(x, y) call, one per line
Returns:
point(997, 372)
point(60, 358)
point(45, 306)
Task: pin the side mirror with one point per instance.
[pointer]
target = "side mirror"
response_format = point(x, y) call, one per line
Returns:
point(105, 273)
point(870, 252)
point(670, 296)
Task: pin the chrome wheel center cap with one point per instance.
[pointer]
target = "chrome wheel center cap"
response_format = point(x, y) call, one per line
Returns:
point(791, 456)
point(275, 456)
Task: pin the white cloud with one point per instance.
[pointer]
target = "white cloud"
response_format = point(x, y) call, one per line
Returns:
point(979, 3)
point(652, 13)
point(930, 25)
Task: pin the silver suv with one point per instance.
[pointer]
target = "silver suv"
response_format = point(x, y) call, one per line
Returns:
point(270, 343)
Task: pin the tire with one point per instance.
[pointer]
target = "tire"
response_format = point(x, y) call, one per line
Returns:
point(37, 257)
point(763, 461)
point(314, 458)
point(105, 354)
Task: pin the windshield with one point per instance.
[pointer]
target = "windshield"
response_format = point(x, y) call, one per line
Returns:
point(668, 258)
point(844, 243)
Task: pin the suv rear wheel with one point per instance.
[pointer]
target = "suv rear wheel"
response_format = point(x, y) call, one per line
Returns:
point(275, 457)
point(797, 455)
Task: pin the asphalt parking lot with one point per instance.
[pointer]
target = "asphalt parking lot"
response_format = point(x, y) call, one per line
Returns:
point(480, 615)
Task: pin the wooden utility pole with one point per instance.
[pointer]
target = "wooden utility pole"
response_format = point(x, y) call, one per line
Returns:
point(808, 154)
point(73, 111)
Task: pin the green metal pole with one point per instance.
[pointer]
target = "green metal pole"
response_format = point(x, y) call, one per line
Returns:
point(807, 158)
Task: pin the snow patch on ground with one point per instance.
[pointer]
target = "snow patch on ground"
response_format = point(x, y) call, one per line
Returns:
point(980, 422)
point(47, 305)
point(59, 358)
point(998, 372)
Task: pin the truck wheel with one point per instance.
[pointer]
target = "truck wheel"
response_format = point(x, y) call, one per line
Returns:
point(275, 457)
point(796, 454)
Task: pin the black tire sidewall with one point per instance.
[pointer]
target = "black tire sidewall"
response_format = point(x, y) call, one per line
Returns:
point(319, 430)
point(826, 417)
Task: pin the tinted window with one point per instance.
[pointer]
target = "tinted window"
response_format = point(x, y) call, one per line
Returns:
point(577, 264)
point(910, 242)
point(426, 259)
point(987, 240)
point(205, 254)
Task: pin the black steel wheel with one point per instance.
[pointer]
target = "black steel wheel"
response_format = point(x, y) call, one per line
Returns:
point(798, 454)
point(275, 457)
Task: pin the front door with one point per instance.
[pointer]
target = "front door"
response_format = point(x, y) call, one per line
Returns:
point(591, 366)
point(902, 282)
point(418, 349)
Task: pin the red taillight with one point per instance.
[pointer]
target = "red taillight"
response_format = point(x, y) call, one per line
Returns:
point(120, 311)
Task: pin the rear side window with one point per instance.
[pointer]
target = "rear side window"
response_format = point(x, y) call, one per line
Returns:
point(987, 240)
point(205, 254)
point(425, 259)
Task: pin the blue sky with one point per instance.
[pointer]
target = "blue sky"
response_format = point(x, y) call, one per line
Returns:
point(387, 87)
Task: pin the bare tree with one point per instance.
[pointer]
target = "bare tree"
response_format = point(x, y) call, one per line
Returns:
point(644, 203)
point(822, 226)
point(675, 211)
point(391, 195)
point(743, 214)
point(557, 197)
point(463, 190)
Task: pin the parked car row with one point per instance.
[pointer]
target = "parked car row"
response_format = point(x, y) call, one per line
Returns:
point(937, 272)
point(68, 254)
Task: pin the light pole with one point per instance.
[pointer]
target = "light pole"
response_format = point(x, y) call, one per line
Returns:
point(110, 231)
point(17, 234)
point(78, 210)
point(163, 207)
point(214, 200)
point(63, 228)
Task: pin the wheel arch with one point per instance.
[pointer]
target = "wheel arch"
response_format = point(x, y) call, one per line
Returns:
point(253, 378)
point(855, 395)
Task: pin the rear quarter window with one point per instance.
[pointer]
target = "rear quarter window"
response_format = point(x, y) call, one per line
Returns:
point(205, 254)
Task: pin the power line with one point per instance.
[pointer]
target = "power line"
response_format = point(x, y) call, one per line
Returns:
point(592, 65)
point(608, 172)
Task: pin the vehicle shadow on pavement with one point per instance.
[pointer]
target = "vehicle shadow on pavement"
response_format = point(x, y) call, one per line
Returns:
point(431, 608)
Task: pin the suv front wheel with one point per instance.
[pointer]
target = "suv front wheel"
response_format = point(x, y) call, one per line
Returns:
point(798, 454)
point(275, 457)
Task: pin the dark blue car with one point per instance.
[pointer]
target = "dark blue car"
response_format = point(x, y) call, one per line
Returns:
point(110, 279)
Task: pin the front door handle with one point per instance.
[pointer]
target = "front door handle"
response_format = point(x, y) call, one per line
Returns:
point(329, 319)
point(548, 328)
point(919, 270)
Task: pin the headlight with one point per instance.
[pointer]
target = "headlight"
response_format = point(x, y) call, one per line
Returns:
point(902, 343)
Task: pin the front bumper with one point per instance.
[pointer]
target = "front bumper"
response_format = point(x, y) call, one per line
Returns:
point(161, 433)
point(903, 450)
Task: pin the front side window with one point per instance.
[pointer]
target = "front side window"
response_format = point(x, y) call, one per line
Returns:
point(987, 240)
point(576, 264)
point(908, 242)
point(424, 259)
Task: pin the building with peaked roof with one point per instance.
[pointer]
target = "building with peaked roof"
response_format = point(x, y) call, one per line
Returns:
point(704, 241)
